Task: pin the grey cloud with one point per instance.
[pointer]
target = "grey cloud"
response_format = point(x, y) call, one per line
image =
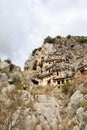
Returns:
point(25, 23)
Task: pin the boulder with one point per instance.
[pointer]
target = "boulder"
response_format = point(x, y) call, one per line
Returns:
point(86, 127)
point(42, 98)
point(26, 97)
point(8, 89)
point(48, 110)
point(3, 77)
point(30, 121)
point(79, 114)
point(54, 125)
point(4, 66)
point(81, 117)
point(75, 98)
point(76, 128)
point(38, 127)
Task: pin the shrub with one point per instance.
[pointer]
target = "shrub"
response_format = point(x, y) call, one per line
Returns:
point(68, 88)
point(69, 36)
point(58, 37)
point(59, 41)
point(0, 88)
point(73, 69)
point(82, 103)
point(35, 65)
point(34, 51)
point(81, 39)
point(49, 40)
point(16, 79)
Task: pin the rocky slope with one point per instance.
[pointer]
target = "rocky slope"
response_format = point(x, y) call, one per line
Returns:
point(24, 105)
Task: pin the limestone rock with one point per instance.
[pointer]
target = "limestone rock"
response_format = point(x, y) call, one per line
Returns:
point(26, 97)
point(3, 77)
point(54, 125)
point(8, 89)
point(79, 114)
point(76, 128)
point(38, 127)
point(48, 110)
point(42, 98)
point(30, 121)
point(75, 98)
point(86, 127)
point(4, 66)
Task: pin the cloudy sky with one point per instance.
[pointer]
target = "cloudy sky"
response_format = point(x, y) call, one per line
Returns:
point(25, 23)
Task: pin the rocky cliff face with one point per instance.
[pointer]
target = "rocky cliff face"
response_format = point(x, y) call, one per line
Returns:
point(71, 48)
point(57, 60)
point(51, 92)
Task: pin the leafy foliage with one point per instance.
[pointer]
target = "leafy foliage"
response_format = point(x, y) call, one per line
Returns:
point(82, 103)
point(49, 40)
point(68, 88)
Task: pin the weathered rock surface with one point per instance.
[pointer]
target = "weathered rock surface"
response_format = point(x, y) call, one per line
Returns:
point(4, 66)
point(3, 77)
point(49, 110)
point(28, 106)
point(76, 128)
point(75, 98)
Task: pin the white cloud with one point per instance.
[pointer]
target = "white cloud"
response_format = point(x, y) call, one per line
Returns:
point(25, 23)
